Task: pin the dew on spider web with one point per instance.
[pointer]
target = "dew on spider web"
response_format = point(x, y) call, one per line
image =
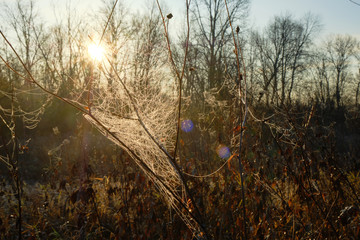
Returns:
point(116, 111)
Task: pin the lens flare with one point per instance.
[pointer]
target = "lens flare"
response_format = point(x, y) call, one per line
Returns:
point(187, 125)
point(223, 151)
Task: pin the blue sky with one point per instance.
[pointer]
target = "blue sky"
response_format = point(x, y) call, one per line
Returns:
point(337, 16)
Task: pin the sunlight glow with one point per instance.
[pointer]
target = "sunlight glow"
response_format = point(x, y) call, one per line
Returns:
point(96, 52)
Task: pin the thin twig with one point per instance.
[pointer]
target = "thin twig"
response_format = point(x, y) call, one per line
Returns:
point(354, 2)
point(242, 130)
point(107, 22)
point(180, 77)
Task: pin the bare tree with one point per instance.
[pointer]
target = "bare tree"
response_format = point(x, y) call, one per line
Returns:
point(149, 52)
point(116, 36)
point(322, 78)
point(212, 36)
point(304, 34)
point(339, 52)
point(283, 53)
point(23, 19)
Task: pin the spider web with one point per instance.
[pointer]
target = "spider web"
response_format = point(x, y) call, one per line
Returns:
point(143, 123)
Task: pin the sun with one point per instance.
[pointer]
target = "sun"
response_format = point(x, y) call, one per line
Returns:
point(96, 51)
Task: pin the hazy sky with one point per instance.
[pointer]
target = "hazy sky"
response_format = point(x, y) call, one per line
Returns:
point(337, 16)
